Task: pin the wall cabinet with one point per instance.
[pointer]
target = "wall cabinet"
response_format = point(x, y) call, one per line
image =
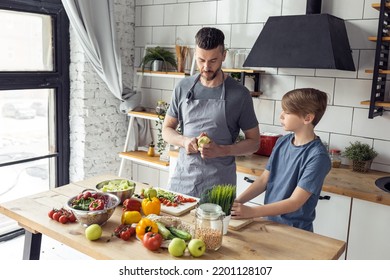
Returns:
point(369, 231)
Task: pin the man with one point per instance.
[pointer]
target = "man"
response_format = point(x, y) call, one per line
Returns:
point(213, 103)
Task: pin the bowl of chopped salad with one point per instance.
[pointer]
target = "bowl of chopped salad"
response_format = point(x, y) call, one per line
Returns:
point(92, 207)
point(122, 188)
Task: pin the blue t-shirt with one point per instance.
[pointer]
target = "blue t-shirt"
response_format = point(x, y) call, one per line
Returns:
point(290, 166)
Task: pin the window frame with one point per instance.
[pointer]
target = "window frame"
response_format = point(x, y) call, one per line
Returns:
point(58, 79)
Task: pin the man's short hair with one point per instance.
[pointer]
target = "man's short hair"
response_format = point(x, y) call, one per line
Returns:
point(209, 38)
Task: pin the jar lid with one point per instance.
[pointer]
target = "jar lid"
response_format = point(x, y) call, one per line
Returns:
point(209, 210)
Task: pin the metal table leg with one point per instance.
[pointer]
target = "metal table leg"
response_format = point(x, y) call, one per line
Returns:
point(32, 245)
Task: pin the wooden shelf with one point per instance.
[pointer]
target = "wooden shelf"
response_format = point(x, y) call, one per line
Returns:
point(149, 114)
point(369, 71)
point(377, 6)
point(143, 158)
point(240, 70)
point(378, 103)
point(162, 74)
point(374, 38)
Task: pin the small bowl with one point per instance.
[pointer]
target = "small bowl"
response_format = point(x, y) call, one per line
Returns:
point(123, 195)
point(383, 183)
point(99, 217)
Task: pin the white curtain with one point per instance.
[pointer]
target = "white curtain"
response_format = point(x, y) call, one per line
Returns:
point(94, 24)
point(95, 28)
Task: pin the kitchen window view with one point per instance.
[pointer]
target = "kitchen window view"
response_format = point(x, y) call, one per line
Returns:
point(28, 114)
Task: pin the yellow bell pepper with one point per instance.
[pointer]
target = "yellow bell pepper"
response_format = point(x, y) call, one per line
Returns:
point(145, 225)
point(130, 217)
point(151, 206)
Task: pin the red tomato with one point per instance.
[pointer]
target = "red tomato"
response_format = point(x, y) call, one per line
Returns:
point(57, 215)
point(72, 217)
point(87, 194)
point(152, 241)
point(125, 235)
point(51, 213)
point(63, 219)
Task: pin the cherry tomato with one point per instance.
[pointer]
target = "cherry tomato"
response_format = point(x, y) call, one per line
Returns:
point(51, 213)
point(125, 235)
point(87, 194)
point(152, 241)
point(63, 219)
point(57, 215)
point(72, 217)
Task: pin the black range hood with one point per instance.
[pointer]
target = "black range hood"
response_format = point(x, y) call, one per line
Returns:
point(313, 40)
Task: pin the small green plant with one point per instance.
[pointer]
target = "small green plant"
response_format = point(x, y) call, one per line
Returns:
point(222, 195)
point(359, 152)
point(159, 53)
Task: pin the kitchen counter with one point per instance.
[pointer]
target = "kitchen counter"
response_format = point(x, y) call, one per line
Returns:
point(341, 180)
point(259, 240)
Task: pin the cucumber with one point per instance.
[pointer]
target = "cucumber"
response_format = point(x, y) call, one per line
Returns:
point(165, 233)
point(180, 233)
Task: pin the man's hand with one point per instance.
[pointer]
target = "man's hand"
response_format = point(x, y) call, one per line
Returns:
point(190, 145)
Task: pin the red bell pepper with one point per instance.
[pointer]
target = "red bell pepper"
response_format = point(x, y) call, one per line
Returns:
point(97, 204)
point(131, 204)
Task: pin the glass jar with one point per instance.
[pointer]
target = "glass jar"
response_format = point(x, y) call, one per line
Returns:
point(335, 158)
point(209, 225)
point(161, 107)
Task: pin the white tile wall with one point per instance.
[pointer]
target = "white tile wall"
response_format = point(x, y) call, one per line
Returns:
point(345, 9)
point(152, 15)
point(349, 92)
point(346, 120)
point(261, 10)
point(164, 35)
point(232, 11)
point(203, 13)
point(176, 14)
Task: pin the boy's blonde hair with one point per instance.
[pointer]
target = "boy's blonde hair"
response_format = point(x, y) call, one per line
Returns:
point(305, 101)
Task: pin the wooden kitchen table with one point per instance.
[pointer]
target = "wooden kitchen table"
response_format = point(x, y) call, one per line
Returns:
point(259, 240)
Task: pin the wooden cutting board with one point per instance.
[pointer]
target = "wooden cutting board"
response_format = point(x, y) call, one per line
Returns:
point(233, 224)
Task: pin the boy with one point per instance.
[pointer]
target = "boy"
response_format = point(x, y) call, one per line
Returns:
point(296, 169)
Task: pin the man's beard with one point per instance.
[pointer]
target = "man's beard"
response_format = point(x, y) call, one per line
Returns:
point(213, 76)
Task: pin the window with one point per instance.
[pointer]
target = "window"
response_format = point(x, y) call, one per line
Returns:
point(34, 100)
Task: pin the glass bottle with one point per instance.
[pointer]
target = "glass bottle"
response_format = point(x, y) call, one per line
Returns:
point(335, 157)
point(151, 150)
point(209, 225)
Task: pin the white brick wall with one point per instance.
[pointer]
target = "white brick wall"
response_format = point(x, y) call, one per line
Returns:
point(161, 22)
point(97, 128)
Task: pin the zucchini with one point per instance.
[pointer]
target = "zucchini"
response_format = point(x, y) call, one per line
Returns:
point(165, 233)
point(180, 233)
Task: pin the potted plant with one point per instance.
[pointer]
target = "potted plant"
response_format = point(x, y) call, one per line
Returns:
point(361, 156)
point(159, 58)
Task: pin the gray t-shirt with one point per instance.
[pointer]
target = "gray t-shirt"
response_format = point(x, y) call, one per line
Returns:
point(240, 113)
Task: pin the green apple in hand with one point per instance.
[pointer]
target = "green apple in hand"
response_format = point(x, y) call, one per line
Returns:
point(196, 247)
point(204, 139)
point(93, 232)
point(176, 247)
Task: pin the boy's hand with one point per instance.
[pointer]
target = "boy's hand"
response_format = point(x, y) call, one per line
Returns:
point(241, 211)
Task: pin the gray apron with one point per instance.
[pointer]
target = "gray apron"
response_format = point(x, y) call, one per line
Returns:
point(193, 175)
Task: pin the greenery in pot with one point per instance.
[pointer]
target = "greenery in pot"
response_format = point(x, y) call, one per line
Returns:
point(222, 195)
point(358, 151)
point(159, 53)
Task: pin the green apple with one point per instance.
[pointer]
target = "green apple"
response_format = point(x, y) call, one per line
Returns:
point(93, 232)
point(176, 247)
point(196, 247)
point(203, 140)
point(150, 192)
